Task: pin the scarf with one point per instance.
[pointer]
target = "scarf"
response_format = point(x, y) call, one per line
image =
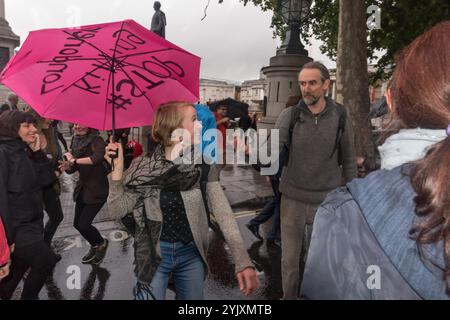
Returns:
point(408, 145)
point(81, 145)
point(159, 173)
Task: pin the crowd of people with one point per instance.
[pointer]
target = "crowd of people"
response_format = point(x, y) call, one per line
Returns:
point(331, 226)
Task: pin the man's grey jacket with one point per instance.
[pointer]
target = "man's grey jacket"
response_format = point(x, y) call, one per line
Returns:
point(311, 173)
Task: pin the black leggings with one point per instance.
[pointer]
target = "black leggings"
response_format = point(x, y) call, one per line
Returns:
point(37, 256)
point(84, 215)
point(55, 214)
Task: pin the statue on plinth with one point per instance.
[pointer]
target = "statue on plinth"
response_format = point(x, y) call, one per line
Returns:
point(159, 21)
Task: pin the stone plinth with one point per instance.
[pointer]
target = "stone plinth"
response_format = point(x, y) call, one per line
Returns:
point(282, 82)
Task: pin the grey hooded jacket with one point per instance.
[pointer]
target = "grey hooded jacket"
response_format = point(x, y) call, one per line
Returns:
point(311, 173)
point(360, 233)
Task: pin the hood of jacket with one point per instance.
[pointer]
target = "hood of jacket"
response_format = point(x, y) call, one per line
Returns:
point(11, 145)
point(386, 200)
point(408, 145)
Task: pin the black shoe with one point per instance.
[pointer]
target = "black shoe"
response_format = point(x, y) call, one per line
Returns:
point(100, 253)
point(254, 229)
point(274, 243)
point(89, 256)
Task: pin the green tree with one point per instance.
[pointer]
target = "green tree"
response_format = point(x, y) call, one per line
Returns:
point(401, 22)
point(341, 25)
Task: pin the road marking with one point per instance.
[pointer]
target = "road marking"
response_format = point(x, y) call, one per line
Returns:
point(244, 214)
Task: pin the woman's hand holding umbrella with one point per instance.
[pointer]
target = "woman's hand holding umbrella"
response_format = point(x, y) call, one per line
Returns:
point(114, 153)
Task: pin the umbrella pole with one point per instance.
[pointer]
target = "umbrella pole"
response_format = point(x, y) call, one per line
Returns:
point(113, 113)
point(113, 70)
point(113, 104)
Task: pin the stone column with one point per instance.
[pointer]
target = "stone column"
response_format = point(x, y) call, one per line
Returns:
point(282, 82)
point(2, 9)
point(9, 41)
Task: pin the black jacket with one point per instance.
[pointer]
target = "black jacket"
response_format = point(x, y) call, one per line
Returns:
point(93, 186)
point(23, 175)
point(6, 107)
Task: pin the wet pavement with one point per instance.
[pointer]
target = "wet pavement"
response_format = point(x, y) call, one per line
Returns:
point(245, 188)
point(247, 192)
point(114, 278)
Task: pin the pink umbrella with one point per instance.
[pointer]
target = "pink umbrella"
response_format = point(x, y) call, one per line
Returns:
point(78, 74)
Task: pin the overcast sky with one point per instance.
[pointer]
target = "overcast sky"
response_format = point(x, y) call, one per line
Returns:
point(234, 41)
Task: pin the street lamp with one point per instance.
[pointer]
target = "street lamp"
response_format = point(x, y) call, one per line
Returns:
point(294, 13)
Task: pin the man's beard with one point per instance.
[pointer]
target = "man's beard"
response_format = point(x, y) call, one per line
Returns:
point(311, 100)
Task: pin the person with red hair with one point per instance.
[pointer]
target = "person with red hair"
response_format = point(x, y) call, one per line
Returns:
point(387, 236)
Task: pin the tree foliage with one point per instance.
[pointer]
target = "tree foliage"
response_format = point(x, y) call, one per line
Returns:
point(401, 22)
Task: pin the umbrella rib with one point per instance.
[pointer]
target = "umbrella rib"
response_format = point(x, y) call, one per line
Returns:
point(113, 72)
point(128, 76)
point(136, 66)
point(79, 59)
point(147, 52)
point(65, 89)
point(106, 100)
point(128, 64)
point(86, 74)
point(108, 57)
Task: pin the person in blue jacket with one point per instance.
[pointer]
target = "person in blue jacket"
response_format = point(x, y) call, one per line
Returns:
point(388, 236)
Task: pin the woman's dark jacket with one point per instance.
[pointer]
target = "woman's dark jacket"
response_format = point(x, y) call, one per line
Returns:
point(93, 186)
point(23, 175)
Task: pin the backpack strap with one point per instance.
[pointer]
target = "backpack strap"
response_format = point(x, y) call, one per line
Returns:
point(342, 111)
point(284, 154)
point(295, 115)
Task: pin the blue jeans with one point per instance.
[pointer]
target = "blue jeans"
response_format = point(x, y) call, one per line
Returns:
point(185, 264)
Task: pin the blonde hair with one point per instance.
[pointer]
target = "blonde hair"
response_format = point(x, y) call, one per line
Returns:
point(168, 118)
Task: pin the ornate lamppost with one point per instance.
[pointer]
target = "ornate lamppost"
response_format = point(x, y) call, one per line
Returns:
point(282, 73)
point(293, 13)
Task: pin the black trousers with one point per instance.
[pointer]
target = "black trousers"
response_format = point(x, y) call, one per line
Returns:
point(40, 258)
point(55, 214)
point(272, 208)
point(84, 215)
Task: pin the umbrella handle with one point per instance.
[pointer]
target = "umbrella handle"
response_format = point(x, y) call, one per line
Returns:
point(112, 139)
point(115, 156)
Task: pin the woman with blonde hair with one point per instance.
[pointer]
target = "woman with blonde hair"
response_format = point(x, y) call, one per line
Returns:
point(163, 193)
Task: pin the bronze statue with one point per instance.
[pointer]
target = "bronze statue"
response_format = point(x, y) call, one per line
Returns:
point(159, 21)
